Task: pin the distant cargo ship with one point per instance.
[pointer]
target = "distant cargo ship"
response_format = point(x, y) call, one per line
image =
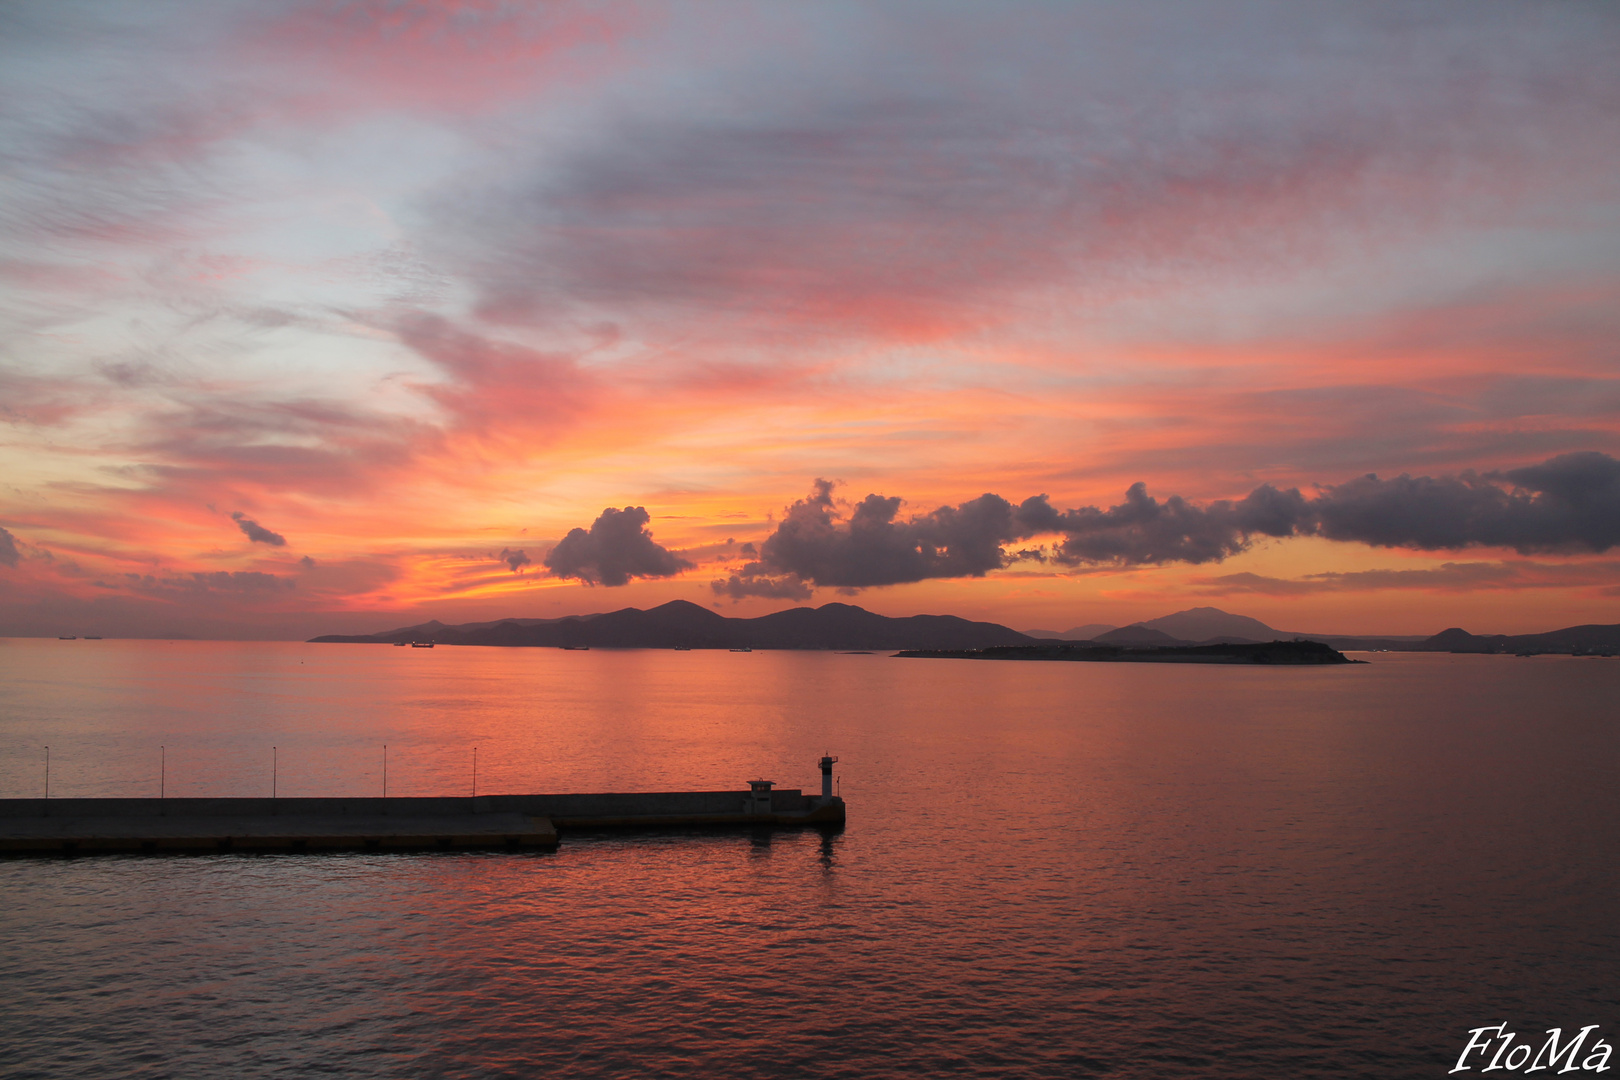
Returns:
point(421, 644)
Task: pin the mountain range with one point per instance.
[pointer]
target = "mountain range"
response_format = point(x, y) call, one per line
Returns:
point(681, 624)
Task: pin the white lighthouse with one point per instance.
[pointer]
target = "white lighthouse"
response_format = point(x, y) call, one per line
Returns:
point(826, 776)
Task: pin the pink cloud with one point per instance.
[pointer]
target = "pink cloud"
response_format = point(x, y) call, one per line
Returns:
point(495, 386)
point(437, 56)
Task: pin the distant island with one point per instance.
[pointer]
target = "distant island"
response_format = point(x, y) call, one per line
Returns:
point(1271, 652)
point(1208, 626)
point(680, 624)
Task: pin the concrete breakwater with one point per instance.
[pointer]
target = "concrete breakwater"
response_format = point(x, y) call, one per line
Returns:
point(498, 822)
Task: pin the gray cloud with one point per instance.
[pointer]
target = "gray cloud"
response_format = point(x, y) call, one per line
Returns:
point(1144, 530)
point(217, 581)
point(751, 581)
point(515, 560)
point(617, 548)
point(871, 547)
point(1569, 503)
point(1448, 577)
point(256, 532)
point(9, 555)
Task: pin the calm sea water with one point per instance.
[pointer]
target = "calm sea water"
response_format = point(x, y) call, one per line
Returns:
point(1055, 870)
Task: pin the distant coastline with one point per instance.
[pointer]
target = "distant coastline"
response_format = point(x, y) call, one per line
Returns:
point(846, 628)
point(1275, 653)
point(680, 624)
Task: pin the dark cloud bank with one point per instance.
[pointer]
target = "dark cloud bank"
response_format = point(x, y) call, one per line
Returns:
point(1568, 504)
point(617, 548)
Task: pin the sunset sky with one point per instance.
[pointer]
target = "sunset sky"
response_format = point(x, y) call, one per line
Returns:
point(337, 317)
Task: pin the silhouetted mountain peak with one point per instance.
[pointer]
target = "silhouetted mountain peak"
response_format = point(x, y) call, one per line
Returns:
point(677, 607)
point(1452, 634)
point(1203, 623)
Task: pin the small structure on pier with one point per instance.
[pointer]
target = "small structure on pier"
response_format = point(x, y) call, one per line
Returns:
point(759, 797)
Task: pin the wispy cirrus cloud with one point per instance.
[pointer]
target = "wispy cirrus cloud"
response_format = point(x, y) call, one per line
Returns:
point(450, 60)
point(497, 387)
point(910, 200)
